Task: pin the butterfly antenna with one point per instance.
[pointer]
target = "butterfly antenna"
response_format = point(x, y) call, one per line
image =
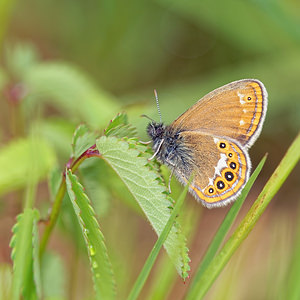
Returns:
point(157, 104)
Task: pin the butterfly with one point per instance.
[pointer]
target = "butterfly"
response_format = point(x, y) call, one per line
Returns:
point(210, 141)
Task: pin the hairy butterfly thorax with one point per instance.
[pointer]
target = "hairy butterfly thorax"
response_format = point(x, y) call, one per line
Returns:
point(169, 148)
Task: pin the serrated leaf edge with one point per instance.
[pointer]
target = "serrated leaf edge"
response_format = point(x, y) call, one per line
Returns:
point(84, 231)
point(142, 160)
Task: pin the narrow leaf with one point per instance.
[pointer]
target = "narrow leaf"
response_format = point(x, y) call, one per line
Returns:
point(222, 231)
point(17, 159)
point(24, 232)
point(290, 287)
point(155, 250)
point(148, 191)
point(70, 91)
point(83, 138)
point(119, 127)
point(287, 164)
point(104, 283)
point(119, 119)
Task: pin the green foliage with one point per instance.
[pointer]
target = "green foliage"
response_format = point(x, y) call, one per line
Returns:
point(82, 140)
point(70, 92)
point(128, 159)
point(148, 191)
point(18, 158)
point(288, 162)
point(221, 233)
point(96, 60)
point(119, 127)
point(155, 250)
point(25, 258)
point(290, 288)
point(100, 265)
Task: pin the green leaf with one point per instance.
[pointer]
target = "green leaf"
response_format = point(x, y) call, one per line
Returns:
point(24, 244)
point(54, 181)
point(287, 164)
point(96, 182)
point(17, 159)
point(101, 268)
point(148, 191)
point(155, 250)
point(83, 139)
point(222, 232)
point(119, 127)
point(36, 258)
point(120, 119)
point(20, 58)
point(290, 286)
point(70, 91)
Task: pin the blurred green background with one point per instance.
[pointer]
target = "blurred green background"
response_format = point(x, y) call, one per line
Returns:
point(68, 62)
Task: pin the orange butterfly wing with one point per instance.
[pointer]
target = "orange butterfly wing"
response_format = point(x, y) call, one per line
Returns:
point(236, 110)
point(221, 168)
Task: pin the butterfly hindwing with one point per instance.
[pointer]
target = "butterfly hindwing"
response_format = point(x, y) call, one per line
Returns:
point(220, 168)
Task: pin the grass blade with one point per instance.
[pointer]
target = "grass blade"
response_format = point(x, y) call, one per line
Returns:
point(155, 250)
point(290, 287)
point(272, 186)
point(223, 230)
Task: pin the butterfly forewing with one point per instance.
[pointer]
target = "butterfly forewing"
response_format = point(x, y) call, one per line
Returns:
point(236, 110)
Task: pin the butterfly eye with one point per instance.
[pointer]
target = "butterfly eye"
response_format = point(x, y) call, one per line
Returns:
point(249, 98)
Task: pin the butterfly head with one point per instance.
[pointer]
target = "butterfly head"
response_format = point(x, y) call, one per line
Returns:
point(156, 131)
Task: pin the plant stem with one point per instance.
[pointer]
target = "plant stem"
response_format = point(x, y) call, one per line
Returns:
point(73, 165)
point(53, 215)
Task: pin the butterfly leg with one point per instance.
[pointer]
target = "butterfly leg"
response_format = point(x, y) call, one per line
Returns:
point(145, 143)
point(170, 178)
point(157, 150)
